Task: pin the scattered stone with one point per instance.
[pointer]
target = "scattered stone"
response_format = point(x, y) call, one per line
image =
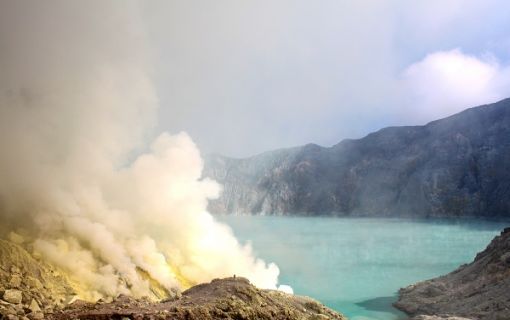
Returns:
point(20, 312)
point(34, 283)
point(34, 306)
point(13, 296)
point(15, 281)
point(36, 315)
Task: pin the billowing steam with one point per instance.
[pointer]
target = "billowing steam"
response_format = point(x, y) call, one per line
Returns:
point(76, 104)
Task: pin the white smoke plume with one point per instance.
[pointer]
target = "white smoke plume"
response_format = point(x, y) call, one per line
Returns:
point(76, 105)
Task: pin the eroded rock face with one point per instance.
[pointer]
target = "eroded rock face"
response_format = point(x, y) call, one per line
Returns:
point(479, 290)
point(457, 166)
point(230, 298)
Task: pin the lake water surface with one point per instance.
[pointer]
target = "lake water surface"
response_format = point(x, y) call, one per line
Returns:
point(356, 266)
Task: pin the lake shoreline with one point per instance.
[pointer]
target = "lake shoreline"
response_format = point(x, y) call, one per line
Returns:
point(362, 258)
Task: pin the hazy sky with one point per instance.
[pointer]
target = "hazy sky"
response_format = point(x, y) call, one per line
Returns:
point(242, 77)
point(248, 76)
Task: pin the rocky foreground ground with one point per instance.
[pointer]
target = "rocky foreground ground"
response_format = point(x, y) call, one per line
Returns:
point(479, 290)
point(230, 298)
point(31, 289)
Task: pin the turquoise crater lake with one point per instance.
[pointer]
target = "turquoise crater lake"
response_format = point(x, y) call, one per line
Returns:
point(356, 266)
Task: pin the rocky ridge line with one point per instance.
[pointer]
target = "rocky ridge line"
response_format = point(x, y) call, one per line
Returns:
point(456, 166)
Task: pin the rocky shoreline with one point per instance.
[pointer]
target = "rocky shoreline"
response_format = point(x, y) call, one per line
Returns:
point(478, 290)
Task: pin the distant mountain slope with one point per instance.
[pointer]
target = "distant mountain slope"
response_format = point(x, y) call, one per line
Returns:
point(457, 166)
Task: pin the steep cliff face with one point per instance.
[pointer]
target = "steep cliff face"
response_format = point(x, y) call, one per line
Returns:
point(457, 166)
point(479, 290)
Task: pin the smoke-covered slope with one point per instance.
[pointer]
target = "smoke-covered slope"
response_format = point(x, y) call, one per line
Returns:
point(457, 166)
point(30, 287)
point(84, 180)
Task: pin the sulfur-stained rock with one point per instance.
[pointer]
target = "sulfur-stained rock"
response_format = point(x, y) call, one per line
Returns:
point(34, 306)
point(15, 281)
point(12, 296)
point(36, 316)
point(34, 283)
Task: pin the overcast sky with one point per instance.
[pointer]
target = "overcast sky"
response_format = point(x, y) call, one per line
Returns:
point(242, 77)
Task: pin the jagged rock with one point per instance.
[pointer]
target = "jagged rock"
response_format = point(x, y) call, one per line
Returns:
point(505, 258)
point(15, 281)
point(229, 299)
point(9, 309)
point(34, 283)
point(479, 290)
point(13, 296)
point(34, 306)
point(70, 299)
point(31, 278)
point(457, 166)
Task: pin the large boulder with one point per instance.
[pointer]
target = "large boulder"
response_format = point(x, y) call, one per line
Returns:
point(13, 296)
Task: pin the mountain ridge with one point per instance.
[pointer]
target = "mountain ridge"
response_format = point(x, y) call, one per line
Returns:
point(455, 166)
